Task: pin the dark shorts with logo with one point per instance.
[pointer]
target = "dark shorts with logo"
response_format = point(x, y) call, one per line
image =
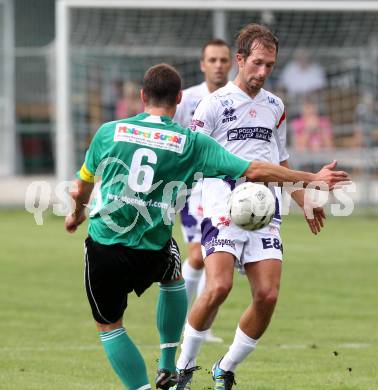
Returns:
point(114, 271)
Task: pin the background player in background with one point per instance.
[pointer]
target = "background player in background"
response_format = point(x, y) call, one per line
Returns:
point(215, 64)
point(130, 243)
point(249, 122)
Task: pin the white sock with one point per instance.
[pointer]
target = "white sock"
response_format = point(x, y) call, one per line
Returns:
point(190, 347)
point(192, 277)
point(242, 346)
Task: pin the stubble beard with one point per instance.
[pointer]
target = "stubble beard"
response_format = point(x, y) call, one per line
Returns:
point(253, 89)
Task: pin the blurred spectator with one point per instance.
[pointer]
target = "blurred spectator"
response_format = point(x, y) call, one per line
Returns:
point(312, 131)
point(302, 76)
point(366, 132)
point(111, 92)
point(129, 104)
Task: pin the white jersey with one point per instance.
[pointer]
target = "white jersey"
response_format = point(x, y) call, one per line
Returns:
point(251, 128)
point(192, 214)
point(190, 99)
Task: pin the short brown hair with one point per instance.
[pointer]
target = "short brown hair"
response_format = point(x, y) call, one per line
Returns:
point(255, 32)
point(215, 42)
point(161, 85)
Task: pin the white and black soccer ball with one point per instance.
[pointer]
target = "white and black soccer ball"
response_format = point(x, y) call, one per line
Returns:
point(252, 206)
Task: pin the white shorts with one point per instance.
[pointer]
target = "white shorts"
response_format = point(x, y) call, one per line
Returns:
point(219, 234)
point(192, 216)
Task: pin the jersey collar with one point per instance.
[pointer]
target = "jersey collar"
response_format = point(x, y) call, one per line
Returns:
point(258, 97)
point(144, 116)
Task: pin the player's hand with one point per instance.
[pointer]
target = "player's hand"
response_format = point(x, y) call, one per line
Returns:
point(315, 218)
point(331, 177)
point(73, 220)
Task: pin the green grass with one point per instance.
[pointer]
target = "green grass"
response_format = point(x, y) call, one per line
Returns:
point(324, 334)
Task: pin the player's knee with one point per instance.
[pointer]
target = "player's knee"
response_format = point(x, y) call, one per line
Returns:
point(218, 292)
point(196, 261)
point(266, 297)
point(108, 327)
point(195, 257)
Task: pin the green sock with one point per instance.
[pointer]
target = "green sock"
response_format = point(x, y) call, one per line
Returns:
point(125, 359)
point(170, 318)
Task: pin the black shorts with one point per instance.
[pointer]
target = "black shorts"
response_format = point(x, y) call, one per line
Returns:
point(113, 271)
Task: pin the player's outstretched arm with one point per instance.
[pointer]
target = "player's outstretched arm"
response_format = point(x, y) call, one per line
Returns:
point(261, 171)
point(81, 198)
point(313, 214)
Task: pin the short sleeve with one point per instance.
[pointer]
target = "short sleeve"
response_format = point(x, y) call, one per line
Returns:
point(186, 108)
point(215, 161)
point(281, 132)
point(203, 119)
point(85, 175)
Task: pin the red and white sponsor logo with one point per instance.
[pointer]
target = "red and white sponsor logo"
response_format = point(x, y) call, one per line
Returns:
point(196, 123)
point(253, 113)
point(156, 138)
point(224, 221)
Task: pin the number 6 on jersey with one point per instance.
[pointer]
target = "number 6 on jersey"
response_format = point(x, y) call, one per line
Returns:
point(142, 176)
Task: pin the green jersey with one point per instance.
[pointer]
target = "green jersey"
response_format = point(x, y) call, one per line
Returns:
point(147, 164)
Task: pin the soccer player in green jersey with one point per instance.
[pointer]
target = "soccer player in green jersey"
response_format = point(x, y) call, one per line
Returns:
point(145, 164)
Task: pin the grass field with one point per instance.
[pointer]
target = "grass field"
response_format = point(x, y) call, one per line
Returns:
point(324, 333)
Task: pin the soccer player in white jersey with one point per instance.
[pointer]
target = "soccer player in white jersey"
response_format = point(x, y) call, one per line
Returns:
point(249, 122)
point(215, 64)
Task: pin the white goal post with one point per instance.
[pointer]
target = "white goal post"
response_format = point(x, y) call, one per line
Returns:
point(7, 96)
point(66, 135)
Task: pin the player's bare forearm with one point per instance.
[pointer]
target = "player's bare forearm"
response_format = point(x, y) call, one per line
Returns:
point(316, 220)
point(273, 173)
point(297, 195)
point(80, 197)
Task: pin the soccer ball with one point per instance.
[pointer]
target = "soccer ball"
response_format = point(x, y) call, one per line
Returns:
point(252, 206)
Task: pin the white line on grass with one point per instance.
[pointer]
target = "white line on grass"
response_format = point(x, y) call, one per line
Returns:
point(354, 345)
point(292, 346)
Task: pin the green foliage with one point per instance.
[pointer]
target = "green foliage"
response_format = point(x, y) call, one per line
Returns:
point(324, 333)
